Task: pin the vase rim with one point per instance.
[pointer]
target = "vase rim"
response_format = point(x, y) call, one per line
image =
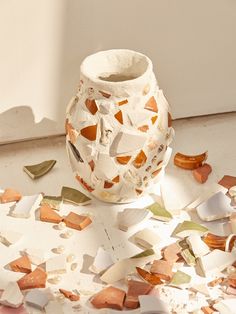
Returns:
point(119, 63)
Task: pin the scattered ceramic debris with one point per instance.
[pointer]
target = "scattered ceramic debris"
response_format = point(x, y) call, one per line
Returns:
point(10, 195)
point(21, 264)
point(216, 207)
point(52, 201)
point(163, 269)
point(159, 212)
point(135, 289)
point(189, 162)
point(47, 214)
point(188, 257)
point(8, 237)
point(70, 295)
point(109, 297)
point(37, 298)
point(101, 261)
point(56, 265)
point(153, 279)
point(180, 278)
point(227, 181)
point(171, 252)
point(12, 296)
point(33, 280)
point(23, 208)
point(130, 217)
point(215, 241)
point(187, 228)
point(201, 174)
point(146, 238)
point(78, 222)
point(36, 256)
point(151, 304)
point(39, 170)
point(74, 196)
point(198, 247)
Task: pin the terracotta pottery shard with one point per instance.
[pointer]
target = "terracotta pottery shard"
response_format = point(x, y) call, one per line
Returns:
point(119, 116)
point(108, 185)
point(75, 152)
point(140, 159)
point(155, 173)
point(109, 297)
point(123, 160)
point(104, 94)
point(116, 179)
point(10, 195)
point(227, 181)
point(135, 289)
point(171, 253)
point(35, 279)
point(151, 105)
point(189, 162)
point(47, 214)
point(138, 191)
point(143, 128)
point(201, 174)
point(163, 269)
point(169, 120)
point(123, 102)
point(84, 184)
point(91, 165)
point(232, 280)
point(154, 118)
point(215, 241)
point(153, 279)
point(215, 282)
point(70, 295)
point(39, 170)
point(89, 132)
point(72, 133)
point(75, 221)
point(91, 105)
point(21, 264)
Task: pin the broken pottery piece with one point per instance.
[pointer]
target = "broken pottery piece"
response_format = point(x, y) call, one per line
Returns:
point(72, 149)
point(226, 306)
point(21, 264)
point(12, 296)
point(151, 105)
point(56, 265)
point(170, 253)
point(151, 304)
point(227, 181)
point(54, 307)
point(130, 217)
point(39, 170)
point(201, 174)
point(215, 261)
point(140, 159)
point(10, 195)
point(232, 280)
point(23, 208)
point(105, 167)
point(216, 207)
point(91, 106)
point(159, 212)
point(215, 241)
point(187, 228)
point(189, 162)
point(70, 295)
point(37, 298)
point(232, 191)
point(109, 297)
point(188, 257)
point(47, 214)
point(152, 279)
point(33, 280)
point(8, 237)
point(119, 117)
point(74, 196)
point(146, 238)
point(180, 278)
point(52, 201)
point(101, 261)
point(106, 132)
point(36, 256)
point(78, 222)
point(135, 289)
point(163, 269)
point(198, 247)
point(89, 132)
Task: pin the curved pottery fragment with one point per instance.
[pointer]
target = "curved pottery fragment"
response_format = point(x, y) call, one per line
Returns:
point(118, 126)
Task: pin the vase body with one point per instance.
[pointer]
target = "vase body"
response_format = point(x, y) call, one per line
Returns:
point(118, 126)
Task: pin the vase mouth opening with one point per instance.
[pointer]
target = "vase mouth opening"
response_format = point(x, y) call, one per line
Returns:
point(119, 66)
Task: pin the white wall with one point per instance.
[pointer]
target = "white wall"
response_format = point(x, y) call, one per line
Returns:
point(42, 42)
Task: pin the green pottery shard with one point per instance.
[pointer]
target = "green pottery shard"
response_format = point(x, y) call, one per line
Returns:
point(187, 228)
point(74, 196)
point(39, 170)
point(144, 253)
point(159, 212)
point(183, 244)
point(180, 278)
point(53, 201)
point(188, 257)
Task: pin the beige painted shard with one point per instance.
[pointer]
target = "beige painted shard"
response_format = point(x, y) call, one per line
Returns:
point(147, 238)
point(198, 247)
point(188, 257)
point(171, 252)
point(12, 296)
point(56, 265)
point(101, 261)
point(130, 217)
point(24, 207)
point(36, 256)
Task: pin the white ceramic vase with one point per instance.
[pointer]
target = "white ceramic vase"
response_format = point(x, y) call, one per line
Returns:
point(118, 126)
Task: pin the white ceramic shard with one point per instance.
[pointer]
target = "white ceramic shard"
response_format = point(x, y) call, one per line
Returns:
point(12, 296)
point(56, 265)
point(232, 191)
point(54, 307)
point(226, 306)
point(215, 261)
point(8, 237)
point(139, 117)
point(199, 247)
point(147, 238)
point(216, 207)
point(127, 266)
point(36, 256)
point(202, 288)
point(176, 298)
point(23, 208)
point(126, 142)
point(37, 298)
point(186, 228)
point(130, 217)
point(105, 167)
point(150, 304)
point(101, 261)
point(106, 132)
